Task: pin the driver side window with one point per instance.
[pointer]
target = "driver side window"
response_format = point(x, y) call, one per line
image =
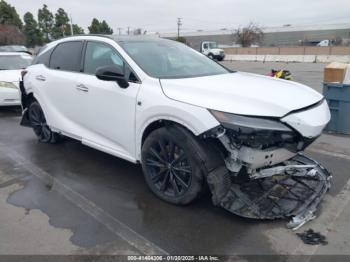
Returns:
point(97, 55)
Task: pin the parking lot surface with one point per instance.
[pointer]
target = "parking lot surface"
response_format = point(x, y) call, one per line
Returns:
point(310, 74)
point(71, 199)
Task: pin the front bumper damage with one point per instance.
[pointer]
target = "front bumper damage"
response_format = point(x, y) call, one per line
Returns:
point(270, 183)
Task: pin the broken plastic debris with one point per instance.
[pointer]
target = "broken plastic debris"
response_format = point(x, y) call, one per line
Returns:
point(311, 237)
point(294, 193)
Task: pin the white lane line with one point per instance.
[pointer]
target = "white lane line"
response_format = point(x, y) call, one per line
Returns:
point(114, 225)
point(328, 153)
point(327, 219)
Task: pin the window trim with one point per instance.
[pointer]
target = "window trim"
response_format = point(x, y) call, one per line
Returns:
point(138, 81)
point(64, 42)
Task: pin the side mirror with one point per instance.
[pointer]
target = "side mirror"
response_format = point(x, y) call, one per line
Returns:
point(112, 73)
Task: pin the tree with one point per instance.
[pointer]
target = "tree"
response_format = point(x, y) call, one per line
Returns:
point(9, 15)
point(77, 30)
point(249, 35)
point(105, 29)
point(61, 27)
point(98, 27)
point(46, 22)
point(31, 30)
point(94, 28)
point(11, 35)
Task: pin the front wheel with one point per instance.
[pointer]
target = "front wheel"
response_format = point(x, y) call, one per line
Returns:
point(171, 165)
point(211, 56)
point(38, 122)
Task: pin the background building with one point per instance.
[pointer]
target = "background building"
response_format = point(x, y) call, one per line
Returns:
point(287, 35)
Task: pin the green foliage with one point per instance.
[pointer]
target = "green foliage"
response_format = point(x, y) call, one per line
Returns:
point(46, 22)
point(31, 30)
point(181, 39)
point(94, 28)
point(105, 29)
point(98, 27)
point(77, 30)
point(9, 15)
point(61, 27)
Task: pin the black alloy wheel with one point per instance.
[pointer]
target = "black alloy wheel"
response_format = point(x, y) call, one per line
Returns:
point(39, 125)
point(170, 168)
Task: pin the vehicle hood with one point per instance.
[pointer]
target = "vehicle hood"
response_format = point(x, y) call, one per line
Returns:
point(242, 93)
point(216, 50)
point(10, 75)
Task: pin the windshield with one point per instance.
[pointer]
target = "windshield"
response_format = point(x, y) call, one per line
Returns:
point(170, 59)
point(13, 62)
point(213, 45)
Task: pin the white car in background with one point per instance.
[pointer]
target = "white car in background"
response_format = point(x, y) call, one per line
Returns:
point(187, 119)
point(11, 66)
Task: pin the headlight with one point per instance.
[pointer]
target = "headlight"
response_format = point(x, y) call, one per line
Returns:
point(232, 121)
point(7, 85)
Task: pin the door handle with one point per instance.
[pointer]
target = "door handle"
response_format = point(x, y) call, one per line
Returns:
point(40, 78)
point(81, 87)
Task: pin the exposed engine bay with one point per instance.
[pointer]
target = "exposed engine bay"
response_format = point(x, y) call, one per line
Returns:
point(266, 176)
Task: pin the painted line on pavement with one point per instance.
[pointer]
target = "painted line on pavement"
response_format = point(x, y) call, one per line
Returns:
point(113, 224)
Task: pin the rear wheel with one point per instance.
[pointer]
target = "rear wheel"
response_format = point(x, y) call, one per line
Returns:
point(211, 56)
point(38, 122)
point(171, 165)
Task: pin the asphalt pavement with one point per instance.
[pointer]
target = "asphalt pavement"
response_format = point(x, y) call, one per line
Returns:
point(71, 199)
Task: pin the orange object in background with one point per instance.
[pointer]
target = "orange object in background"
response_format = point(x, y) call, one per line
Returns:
point(335, 72)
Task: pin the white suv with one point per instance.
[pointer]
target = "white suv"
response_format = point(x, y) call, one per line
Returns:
point(187, 119)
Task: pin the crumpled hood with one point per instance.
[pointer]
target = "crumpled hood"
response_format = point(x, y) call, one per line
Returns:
point(242, 93)
point(13, 76)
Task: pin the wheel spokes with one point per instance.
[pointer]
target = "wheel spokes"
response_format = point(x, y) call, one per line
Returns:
point(155, 153)
point(165, 182)
point(174, 184)
point(179, 179)
point(185, 169)
point(157, 177)
point(154, 163)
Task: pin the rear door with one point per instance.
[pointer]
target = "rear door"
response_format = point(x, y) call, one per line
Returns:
point(62, 87)
point(107, 110)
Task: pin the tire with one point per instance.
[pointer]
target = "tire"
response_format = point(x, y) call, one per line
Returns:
point(38, 122)
point(211, 56)
point(172, 166)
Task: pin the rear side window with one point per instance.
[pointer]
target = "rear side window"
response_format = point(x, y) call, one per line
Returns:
point(67, 56)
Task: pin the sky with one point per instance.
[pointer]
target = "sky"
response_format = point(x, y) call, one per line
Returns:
point(161, 15)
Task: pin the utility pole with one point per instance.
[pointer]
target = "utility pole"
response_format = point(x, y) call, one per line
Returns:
point(179, 24)
point(71, 25)
point(128, 30)
point(120, 30)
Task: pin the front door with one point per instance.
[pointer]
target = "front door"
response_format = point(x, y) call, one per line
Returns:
point(107, 110)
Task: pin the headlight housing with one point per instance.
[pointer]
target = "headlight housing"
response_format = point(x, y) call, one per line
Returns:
point(232, 121)
point(4, 84)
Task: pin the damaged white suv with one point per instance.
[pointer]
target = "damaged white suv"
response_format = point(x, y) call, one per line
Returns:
point(188, 120)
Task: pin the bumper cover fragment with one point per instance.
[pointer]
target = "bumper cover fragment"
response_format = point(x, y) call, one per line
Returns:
point(293, 194)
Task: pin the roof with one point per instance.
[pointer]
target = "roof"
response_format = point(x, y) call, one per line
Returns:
point(136, 38)
point(271, 29)
point(119, 38)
